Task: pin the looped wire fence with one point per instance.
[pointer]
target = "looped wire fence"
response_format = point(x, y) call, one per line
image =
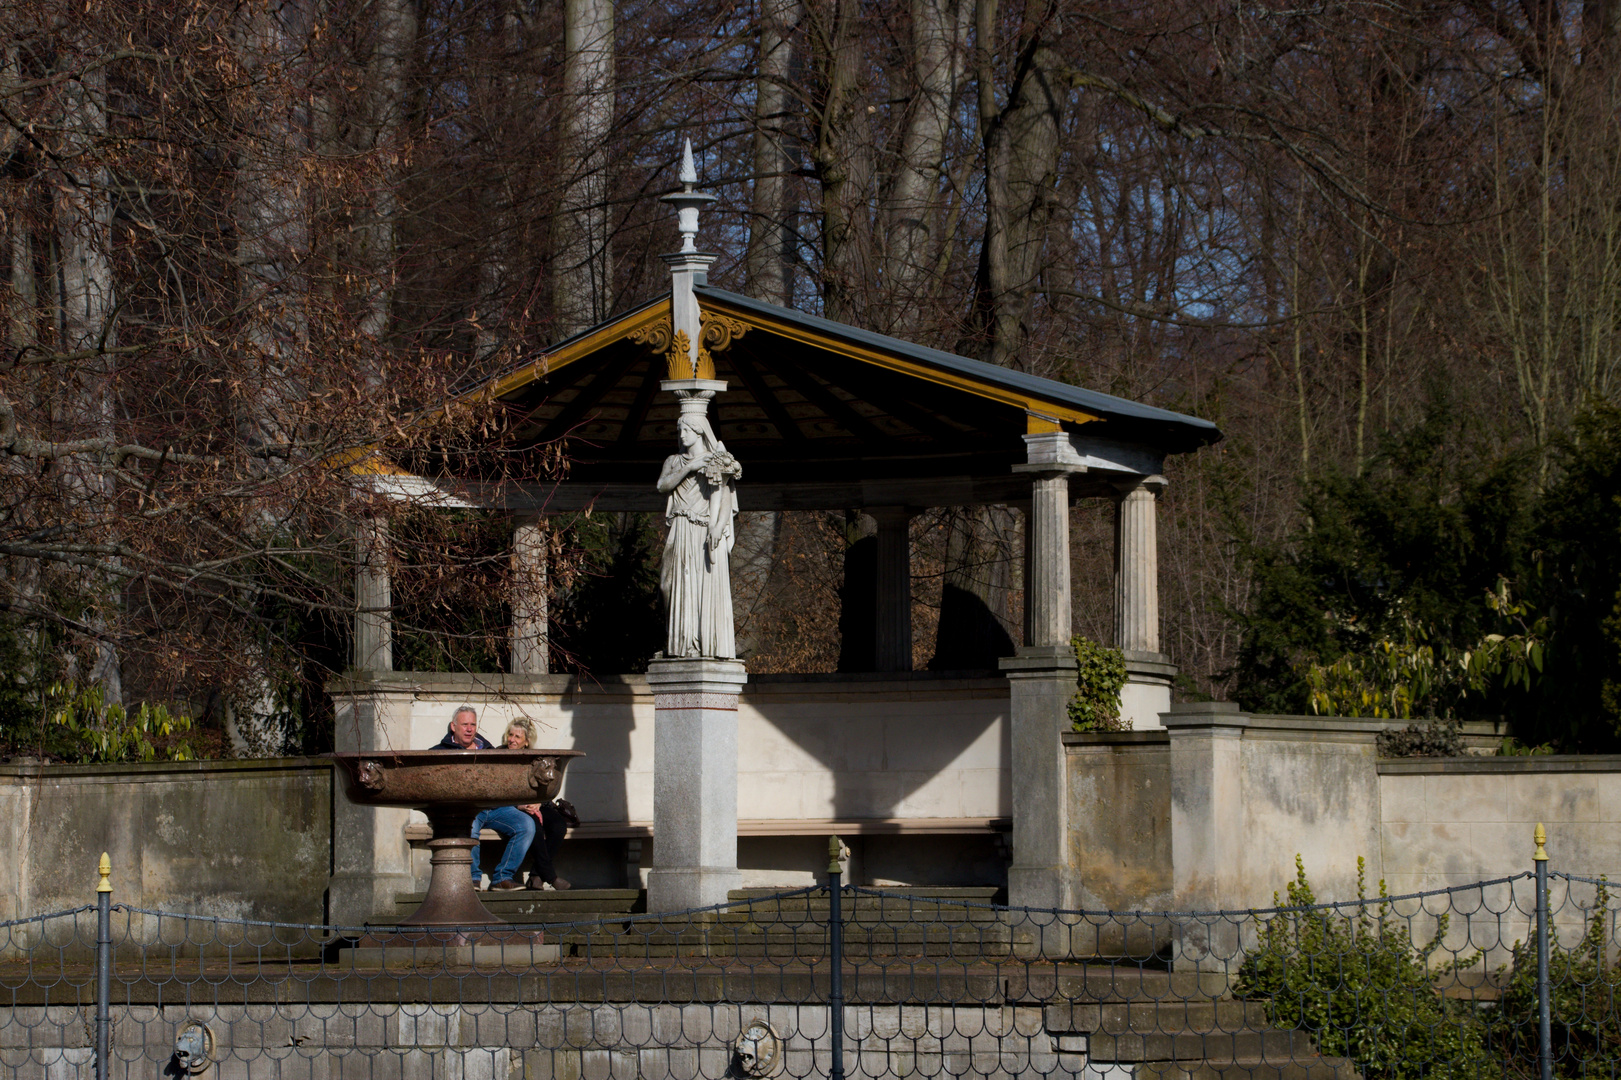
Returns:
point(1453, 982)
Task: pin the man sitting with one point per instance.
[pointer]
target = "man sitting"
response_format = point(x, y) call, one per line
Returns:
point(462, 734)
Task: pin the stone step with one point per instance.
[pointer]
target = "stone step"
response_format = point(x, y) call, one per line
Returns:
point(1258, 1068)
point(1268, 1045)
point(778, 942)
point(1124, 1018)
point(977, 894)
point(606, 901)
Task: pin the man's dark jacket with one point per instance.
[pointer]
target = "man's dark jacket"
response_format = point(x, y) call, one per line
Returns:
point(449, 743)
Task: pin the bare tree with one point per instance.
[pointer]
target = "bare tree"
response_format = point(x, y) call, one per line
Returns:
point(583, 262)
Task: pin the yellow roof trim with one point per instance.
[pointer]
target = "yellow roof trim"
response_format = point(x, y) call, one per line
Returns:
point(581, 347)
point(1040, 406)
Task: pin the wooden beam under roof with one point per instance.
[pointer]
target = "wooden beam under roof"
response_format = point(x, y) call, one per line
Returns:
point(588, 397)
point(837, 410)
point(754, 382)
point(640, 406)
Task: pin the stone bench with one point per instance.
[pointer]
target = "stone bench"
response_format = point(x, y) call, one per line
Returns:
point(419, 832)
point(635, 834)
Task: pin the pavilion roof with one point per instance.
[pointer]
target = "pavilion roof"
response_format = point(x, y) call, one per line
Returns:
point(822, 415)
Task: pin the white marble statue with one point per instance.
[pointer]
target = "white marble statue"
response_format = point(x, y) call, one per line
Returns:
point(701, 513)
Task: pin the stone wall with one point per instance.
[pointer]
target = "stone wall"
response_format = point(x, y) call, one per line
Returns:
point(1120, 820)
point(1446, 822)
point(235, 839)
point(477, 1041)
point(1211, 812)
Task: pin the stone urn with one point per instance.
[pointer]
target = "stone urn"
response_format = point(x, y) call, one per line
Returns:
point(451, 787)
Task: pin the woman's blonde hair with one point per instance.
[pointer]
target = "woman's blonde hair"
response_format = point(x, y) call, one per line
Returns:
point(523, 724)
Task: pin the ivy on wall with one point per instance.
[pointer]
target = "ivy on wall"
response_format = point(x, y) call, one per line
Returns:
point(1100, 673)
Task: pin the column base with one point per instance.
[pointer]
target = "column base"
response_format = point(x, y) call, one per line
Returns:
point(677, 888)
point(1037, 886)
point(1041, 680)
point(1147, 692)
point(353, 899)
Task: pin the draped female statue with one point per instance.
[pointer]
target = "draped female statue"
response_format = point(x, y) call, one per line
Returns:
point(696, 578)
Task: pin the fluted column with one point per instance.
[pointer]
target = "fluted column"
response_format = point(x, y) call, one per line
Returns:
point(1149, 673)
point(1046, 573)
point(894, 607)
point(530, 625)
point(1041, 680)
point(374, 624)
point(1136, 566)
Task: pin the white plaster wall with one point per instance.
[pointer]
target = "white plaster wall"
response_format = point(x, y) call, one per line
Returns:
point(1310, 792)
point(1455, 822)
point(813, 750)
point(1448, 823)
point(1142, 702)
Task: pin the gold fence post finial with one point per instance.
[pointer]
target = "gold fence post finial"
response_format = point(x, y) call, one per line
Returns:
point(105, 869)
point(836, 850)
point(1542, 838)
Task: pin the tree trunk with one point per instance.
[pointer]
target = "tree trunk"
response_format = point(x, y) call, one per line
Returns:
point(494, 268)
point(1021, 142)
point(396, 22)
point(582, 269)
point(768, 269)
point(272, 227)
point(844, 146)
point(769, 264)
point(939, 40)
point(85, 311)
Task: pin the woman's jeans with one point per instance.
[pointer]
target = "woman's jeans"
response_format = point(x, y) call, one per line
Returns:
point(546, 845)
point(517, 829)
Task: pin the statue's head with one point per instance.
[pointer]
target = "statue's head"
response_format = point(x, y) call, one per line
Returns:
point(688, 434)
point(695, 433)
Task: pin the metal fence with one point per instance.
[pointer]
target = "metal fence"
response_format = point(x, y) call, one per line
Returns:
point(1512, 977)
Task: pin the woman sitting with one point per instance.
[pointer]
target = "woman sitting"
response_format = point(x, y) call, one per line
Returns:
point(536, 828)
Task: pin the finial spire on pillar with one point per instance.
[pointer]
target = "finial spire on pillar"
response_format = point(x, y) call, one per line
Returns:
point(689, 267)
point(688, 201)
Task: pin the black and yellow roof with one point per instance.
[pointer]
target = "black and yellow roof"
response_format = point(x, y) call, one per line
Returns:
point(822, 414)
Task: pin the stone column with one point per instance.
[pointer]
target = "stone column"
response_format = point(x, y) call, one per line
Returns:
point(894, 600)
point(1041, 680)
point(694, 782)
point(371, 860)
point(374, 625)
point(1046, 576)
point(1149, 672)
point(1207, 831)
point(529, 587)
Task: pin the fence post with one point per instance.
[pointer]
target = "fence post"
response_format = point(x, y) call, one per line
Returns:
point(835, 950)
point(104, 966)
point(1544, 993)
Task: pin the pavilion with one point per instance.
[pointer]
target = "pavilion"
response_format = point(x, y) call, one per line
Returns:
point(823, 416)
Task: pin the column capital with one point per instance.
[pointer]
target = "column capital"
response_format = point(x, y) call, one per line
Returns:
point(1047, 471)
point(890, 516)
point(1051, 451)
point(1126, 485)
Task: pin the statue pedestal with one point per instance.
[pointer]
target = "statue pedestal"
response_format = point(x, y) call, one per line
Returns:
point(694, 782)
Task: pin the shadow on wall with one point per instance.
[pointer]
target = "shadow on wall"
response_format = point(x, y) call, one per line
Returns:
point(596, 783)
point(882, 753)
